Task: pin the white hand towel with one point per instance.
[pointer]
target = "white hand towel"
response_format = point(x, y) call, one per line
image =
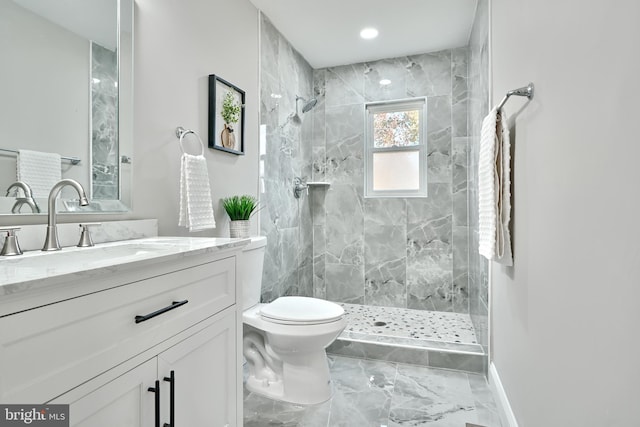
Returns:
point(196, 207)
point(40, 170)
point(487, 187)
point(494, 189)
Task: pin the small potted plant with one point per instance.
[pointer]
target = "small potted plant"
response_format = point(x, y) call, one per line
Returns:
point(240, 209)
point(230, 114)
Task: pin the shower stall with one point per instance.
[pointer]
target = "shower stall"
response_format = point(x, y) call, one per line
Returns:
point(405, 269)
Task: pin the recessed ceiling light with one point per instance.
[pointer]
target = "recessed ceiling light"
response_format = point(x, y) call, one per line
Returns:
point(369, 33)
point(276, 96)
point(385, 82)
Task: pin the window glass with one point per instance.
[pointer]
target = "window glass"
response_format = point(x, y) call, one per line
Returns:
point(396, 170)
point(396, 129)
point(396, 149)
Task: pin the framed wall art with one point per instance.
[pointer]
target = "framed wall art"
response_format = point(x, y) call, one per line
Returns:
point(226, 116)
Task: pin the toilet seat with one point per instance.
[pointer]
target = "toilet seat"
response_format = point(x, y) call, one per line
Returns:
point(301, 311)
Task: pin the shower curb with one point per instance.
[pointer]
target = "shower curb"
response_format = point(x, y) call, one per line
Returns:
point(465, 360)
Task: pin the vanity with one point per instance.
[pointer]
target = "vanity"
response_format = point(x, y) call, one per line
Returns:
point(144, 332)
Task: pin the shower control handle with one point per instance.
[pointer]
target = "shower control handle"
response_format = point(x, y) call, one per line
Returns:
point(299, 185)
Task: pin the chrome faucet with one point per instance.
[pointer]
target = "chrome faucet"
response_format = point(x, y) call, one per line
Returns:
point(51, 242)
point(26, 200)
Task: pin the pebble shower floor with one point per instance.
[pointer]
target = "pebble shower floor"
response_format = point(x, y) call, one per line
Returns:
point(407, 323)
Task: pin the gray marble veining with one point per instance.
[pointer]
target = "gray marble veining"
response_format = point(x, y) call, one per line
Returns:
point(393, 69)
point(405, 245)
point(429, 74)
point(385, 283)
point(344, 85)
point(378, 393)
point(347, 282)
point(345, 230)
point(105, 161)
point(416, 253)
point(288, 153)
point(385, 211)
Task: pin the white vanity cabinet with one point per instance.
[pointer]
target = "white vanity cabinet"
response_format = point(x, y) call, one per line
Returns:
point(160, 349)
point(124, 401)
point(201, 369)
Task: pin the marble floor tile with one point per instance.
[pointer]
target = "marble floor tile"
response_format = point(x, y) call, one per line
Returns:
point(378, 393)
point(368, 408)
point(357, 375)
point(261, 411)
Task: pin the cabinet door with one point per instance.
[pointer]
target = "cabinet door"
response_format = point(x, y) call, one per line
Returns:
point(123, 402)
point(205, 376)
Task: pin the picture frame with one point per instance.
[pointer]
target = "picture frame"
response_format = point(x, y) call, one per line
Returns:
point(226, 101)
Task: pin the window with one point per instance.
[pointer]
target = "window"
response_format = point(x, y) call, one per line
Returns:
point(396, 149)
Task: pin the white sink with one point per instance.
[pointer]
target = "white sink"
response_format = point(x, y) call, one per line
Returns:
point(115, 254)
point(39, 266)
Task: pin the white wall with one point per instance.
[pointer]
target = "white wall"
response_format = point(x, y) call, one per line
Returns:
point(566, 316)
point(178, 43)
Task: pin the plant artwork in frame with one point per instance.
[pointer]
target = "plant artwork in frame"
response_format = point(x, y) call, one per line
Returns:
point(226, 116)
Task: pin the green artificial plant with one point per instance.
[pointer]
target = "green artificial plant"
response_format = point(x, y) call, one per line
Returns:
point(240, 208)
point(230, 109)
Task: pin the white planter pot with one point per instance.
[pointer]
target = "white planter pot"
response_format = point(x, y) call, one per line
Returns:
point(239, 228)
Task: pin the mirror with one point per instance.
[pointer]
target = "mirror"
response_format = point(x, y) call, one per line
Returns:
point(67, 89)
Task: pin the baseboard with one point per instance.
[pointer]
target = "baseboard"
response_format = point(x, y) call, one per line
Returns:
point(507, 416)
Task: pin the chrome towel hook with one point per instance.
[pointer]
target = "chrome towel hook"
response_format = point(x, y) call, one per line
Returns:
point(182, 132)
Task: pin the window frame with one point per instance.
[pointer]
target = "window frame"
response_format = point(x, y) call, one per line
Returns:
point(410, 104)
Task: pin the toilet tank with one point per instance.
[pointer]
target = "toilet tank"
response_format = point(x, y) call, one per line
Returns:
point(250, 268)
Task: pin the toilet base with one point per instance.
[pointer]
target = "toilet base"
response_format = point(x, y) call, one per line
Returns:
point(305, 380)
point(264, 387)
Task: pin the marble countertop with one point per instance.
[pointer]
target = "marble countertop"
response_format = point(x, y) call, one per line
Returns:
point(37, 269)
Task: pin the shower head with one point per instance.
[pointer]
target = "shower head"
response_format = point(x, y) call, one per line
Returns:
point(308, 104)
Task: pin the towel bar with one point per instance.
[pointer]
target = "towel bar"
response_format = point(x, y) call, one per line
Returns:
point(72, 160)
point(523, 91)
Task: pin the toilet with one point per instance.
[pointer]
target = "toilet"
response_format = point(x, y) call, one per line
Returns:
point(284, 341)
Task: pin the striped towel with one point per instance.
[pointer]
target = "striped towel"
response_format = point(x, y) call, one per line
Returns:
point(40, 170)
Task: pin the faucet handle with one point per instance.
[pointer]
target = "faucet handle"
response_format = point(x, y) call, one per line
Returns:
point(85, 237)
point(11, 246)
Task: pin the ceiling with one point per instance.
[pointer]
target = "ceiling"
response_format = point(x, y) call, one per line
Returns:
point(326, 32)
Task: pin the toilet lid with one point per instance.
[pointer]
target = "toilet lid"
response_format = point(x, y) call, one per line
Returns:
point(302, 310)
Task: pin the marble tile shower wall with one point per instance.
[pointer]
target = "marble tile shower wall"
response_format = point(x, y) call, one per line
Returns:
point(104, 123)
point(410, 252)
point(478, 108)
point(285, 220)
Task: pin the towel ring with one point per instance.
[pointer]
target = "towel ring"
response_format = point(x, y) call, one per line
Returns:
point(182, 132)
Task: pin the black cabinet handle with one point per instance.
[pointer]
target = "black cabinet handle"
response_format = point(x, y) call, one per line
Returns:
point(171, 379)
point(156, 390)
point(173, 305)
